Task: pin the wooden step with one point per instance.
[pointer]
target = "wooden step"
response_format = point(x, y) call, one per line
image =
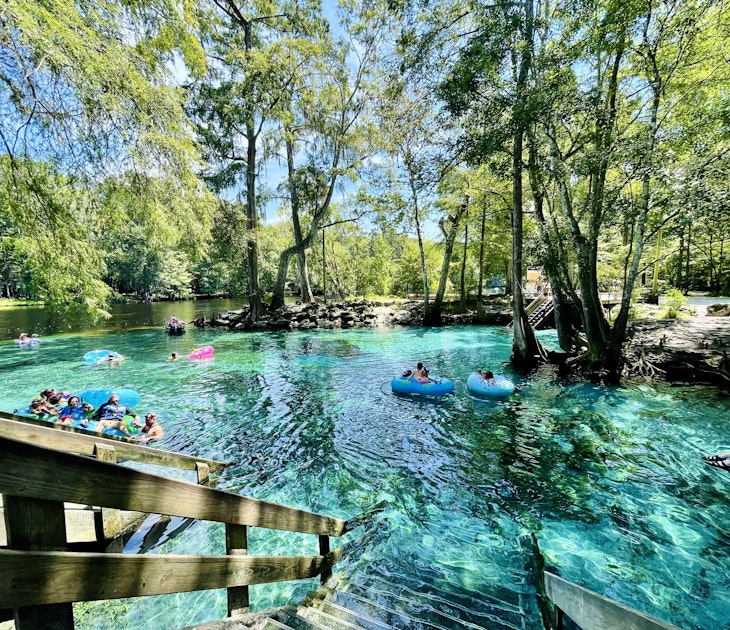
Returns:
point(500, 607)
point(386, 614)
point(361, 620)
point(297, 622)
point(327, 620)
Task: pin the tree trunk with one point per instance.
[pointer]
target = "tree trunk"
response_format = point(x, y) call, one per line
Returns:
point(422, 252)
point(305, 288)
point(618, 334)
point(526, 350)
point(480, 297)
point(462, 278)
point(449, 240)
point(252, 255)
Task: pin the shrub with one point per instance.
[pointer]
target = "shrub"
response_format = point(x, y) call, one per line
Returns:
point(673, 302)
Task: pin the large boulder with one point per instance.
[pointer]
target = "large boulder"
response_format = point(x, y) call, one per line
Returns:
point(719, 310)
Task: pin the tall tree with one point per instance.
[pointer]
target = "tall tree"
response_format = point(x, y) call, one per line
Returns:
point(244, 95)
point(323, 136)
point(86, 92)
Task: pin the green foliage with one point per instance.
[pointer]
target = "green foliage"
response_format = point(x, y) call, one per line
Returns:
point(673, 301)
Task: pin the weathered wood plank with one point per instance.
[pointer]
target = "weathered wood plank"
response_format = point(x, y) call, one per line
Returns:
point(33, 525)
point(36, 577)
point(324, 550)
point(82, 442)
point(126, 489)
point(592, 611)
point(202, 470)
point(80, 524)
point(108, 520)
point(237, 545)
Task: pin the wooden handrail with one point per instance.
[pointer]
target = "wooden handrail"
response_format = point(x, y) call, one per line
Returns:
point(82, 442)
point(50, 473)
point(39, 578)
point(591, 611)
point(35, 578)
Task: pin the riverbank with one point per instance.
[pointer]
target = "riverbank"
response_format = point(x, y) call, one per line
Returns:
point(350, 314)
point(689, 350)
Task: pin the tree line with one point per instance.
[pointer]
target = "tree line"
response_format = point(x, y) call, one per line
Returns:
point(400, 147)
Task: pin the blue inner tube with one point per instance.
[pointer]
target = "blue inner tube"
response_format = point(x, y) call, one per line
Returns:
point(497, 386)
point(97, 397)
point(404, 385)
point(94, 356)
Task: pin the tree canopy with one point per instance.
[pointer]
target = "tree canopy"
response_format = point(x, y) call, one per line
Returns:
point(165, 147)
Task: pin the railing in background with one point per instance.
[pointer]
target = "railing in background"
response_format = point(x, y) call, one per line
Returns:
point(39, 579)
point(591, 611)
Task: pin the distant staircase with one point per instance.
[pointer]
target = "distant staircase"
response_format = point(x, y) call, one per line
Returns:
point(539, 312)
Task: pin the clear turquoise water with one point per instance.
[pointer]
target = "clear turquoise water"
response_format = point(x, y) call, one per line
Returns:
point(611, 480)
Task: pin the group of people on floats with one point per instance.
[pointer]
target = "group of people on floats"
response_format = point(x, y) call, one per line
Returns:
point(420, 374)
point(25, 340)
point(69, 408)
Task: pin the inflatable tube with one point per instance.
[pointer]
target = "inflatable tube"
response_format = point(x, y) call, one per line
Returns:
point(76, 424)
point(32, 341)
point(206, 352)
point(25, 412)
point(128, 421)
point(404, 385)
point(94, 356)
point(497, 386)
point(97, 397)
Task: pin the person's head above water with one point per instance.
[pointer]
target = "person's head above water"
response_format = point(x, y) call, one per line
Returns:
point(419, 365)
point(114, 399)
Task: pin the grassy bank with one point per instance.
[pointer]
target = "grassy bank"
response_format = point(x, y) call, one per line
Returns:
point(13, 302)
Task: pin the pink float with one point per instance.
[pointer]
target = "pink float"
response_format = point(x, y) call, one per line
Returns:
point(205, 352)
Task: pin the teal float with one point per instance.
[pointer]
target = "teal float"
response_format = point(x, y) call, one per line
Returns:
point(76, 423)
point(97, 397)
point(94, 356)
point(409, 385)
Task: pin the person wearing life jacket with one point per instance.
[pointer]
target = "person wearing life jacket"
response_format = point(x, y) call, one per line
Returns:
point(111, 415)
point(74, 410)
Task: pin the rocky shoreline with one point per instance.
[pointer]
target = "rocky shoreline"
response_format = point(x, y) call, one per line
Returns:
point(691, 350)
point(351, 314)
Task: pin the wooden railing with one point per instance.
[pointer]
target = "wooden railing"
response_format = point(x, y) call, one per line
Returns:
point(87, 524)
point(83, 442)
point(591, 611)
point(39, 579)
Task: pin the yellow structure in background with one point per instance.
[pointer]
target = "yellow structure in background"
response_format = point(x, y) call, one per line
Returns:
point(533, 275)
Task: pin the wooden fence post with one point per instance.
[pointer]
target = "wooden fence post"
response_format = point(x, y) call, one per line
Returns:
point(324, 549)
point(109, 520)
point(237, 545)
point(38, 525)
point(203, 472)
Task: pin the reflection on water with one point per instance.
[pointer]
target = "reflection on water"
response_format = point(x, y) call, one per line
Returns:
point(611, 480)
point(37, 319)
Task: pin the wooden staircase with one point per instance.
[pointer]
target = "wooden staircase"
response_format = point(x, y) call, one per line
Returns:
point(539, 312)
point(341, 605)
